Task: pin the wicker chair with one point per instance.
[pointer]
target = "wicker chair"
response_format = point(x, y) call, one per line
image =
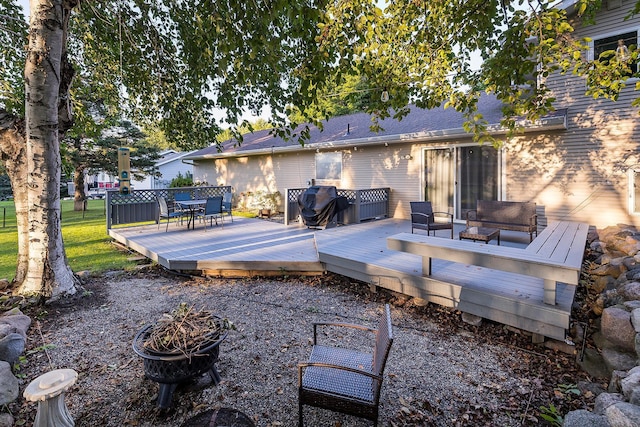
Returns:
point(423, 218)
point(345, 380)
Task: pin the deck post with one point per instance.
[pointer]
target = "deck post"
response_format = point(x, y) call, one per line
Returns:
point(549, 292)
point(426, 266)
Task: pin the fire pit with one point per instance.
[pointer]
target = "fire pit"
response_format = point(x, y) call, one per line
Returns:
point(171, 368)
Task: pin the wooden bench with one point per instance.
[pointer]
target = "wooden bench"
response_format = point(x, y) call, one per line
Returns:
point(554, 256)
point(512, 216)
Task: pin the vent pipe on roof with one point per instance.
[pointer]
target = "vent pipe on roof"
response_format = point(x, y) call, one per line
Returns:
point(348, 130)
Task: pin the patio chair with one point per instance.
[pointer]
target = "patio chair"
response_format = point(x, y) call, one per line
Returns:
point(345, 380)
point(423, 218)
point(166, 213)
point(212, 211)
point(181, 197)
point(227, 199)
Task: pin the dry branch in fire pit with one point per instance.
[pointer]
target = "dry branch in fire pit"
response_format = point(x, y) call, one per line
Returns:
point(185, 331)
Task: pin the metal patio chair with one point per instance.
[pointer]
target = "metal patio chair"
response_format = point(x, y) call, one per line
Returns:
point(345, 380)
point(423, 218)
point(227, 200)
point(212, 211)
point(166, 213)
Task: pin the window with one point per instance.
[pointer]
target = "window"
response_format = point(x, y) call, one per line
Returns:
point(634, 191)
point(616, 46)
point(329, 166)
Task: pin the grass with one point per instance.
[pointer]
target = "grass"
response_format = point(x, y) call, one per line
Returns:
point(87, 244)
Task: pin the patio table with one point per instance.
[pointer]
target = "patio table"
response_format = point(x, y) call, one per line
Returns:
point(192, 206)
point(484, 234)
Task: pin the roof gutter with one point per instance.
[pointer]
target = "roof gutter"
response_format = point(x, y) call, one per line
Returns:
point(558, 122)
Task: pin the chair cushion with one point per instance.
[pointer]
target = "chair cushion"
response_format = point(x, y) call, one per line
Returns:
point(335, 381)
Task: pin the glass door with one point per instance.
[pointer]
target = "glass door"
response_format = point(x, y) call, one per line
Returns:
point(455, 178)
point(439, 186)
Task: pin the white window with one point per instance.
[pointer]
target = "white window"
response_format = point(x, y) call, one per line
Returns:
point(328, 166)
point(634, 191)
point(615, 45)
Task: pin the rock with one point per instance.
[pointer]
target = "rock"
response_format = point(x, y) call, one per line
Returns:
point(6, 420)
point(635, 319)
point(582, 418)
point(616, 327)
point(632, 305)
point(83, 275)
point(604, 400)
point(617, 360)
point(593, 364)
point(17, 320)
point(9, 387)
point(630, 291)
point(630, 262)
point(602, 283)
point(623, 414)
point(11, 347)
point(560, 346)
point(609, 269)
point(614, 382)
point(630, 383)
point(4, 284)
point(471, 319)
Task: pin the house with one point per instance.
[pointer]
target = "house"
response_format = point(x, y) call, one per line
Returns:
point(169, 165)
point(580, 163)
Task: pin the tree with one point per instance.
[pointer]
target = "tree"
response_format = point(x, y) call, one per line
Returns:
point(172, 65)
point(95, 155)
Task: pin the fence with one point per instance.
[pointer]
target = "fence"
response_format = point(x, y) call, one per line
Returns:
point(142, 205)
point(372, 203)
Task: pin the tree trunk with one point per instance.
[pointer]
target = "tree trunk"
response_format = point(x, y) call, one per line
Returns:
point(14, 158)
point(48, 274)
point(79, 197)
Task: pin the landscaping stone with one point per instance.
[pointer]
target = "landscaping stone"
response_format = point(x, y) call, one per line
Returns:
point(593, 363)
point(635, 319)
point(602, 283)
point(617, 328)
point(6, 420)
point(623, 414)
point(618, 360)
point(17, 320)
point(582, 418)
point(9, 386)
point(11, 347)
point(604, 400)
point(631, 291)
point(630, 383)
point(471, 319)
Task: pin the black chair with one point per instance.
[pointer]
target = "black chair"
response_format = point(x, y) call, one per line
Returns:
point(345, 380)
point(212, 211)
point(423, 218)
point(166, 213)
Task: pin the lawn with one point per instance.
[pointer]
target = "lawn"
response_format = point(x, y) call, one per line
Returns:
point(86, 241)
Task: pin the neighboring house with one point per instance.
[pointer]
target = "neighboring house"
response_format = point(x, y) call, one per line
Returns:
point(169, 165)
point(580, 163)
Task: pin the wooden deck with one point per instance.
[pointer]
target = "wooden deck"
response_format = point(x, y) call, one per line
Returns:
point(252, 246)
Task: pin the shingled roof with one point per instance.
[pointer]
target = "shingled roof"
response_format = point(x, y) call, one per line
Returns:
point(354, 130)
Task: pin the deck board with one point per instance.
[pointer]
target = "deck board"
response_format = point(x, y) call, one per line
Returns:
point(358, 251)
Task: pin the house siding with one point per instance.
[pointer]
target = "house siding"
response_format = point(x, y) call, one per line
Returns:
point(581, 174)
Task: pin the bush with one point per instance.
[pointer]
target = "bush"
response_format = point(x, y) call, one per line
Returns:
point(182, 181)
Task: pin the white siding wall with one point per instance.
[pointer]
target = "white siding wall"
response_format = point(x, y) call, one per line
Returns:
point(581, 174)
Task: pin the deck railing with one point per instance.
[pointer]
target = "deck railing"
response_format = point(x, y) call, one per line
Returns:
point(142, 205)
point(372, 203)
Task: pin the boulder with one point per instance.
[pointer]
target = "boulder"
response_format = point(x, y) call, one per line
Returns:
point(618, 360)
point(602, 283)
point(635, 319)
point(623, 414)
point(6, 420)
point(11, 347)
point(616, 327)
point(609, 269)
point(9, 387)
point(604, 400)
point(630, 291)
point(18, 320)
point(582, 418)
point(630, 383)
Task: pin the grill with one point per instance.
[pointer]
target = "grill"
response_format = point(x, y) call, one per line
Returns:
point(170, 369)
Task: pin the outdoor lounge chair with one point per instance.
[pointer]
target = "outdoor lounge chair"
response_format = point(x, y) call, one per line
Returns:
point(166, 213)
point(212, 211)
point(345, 380)
point(423, 218)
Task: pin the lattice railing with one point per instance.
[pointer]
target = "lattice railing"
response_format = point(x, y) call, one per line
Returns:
point(371, 203)
point(141, 205)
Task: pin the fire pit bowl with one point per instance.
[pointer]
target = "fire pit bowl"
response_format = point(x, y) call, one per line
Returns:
point(170, 369)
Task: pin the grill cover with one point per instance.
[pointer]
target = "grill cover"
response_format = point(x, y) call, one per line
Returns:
point(319, 206)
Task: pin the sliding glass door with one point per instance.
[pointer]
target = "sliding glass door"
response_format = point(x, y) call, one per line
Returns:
point(455, 178)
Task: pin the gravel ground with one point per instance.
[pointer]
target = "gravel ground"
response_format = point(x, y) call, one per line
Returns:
point(440, 372)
